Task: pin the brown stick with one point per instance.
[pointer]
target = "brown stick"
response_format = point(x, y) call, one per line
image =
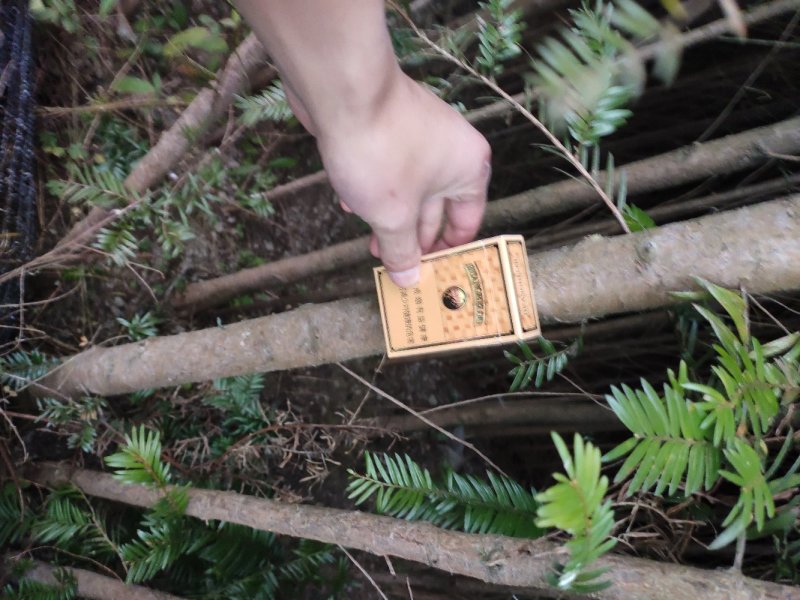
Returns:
point(173, 144)
point(756, 247)
point(725, 155)
point(491, 558)
point(95, 586)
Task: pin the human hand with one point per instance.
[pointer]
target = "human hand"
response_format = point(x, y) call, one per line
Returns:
point(411, 164)
point(397, 156)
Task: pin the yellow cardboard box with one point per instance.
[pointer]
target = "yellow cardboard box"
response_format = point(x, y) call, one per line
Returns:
point(479, 294)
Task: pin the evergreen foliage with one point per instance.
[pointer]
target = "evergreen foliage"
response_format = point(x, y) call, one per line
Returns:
point(238, 396)
point(269, 105)
point(139, 460)
point(403, 489)
point(80, 417)
point(498, 36)
point(27, 589)
point(118, 243)
point(20, 369)
point(785, 532)
point(140, 326)
point(308, 559)
point(576, 504)
point(698, 432)
point(93, 186)
point(156, 549)
point(15, 518)
point(67, 523)
point(587, 78)
point(536, 370)
point(669, 446)
point(214, 560)
point(636, 218)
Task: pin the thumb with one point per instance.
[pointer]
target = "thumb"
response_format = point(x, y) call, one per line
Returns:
point(400, 253)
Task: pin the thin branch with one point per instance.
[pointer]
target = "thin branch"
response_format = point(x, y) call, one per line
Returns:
point(423, 418)
point(734, 15)
point(363, 571)
point(563, 414)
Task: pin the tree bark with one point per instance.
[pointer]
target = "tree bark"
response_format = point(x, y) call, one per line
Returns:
point(208, 105)
point(491, 558)
point(757, 247)
point(725, 155)
point(95, 586)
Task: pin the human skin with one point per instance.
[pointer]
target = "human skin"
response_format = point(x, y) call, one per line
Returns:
point(396, 155)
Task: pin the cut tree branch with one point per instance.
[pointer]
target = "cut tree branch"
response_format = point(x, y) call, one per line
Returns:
point(96, 586)
point(684, 165)
point(494, 559)
point(757, 247)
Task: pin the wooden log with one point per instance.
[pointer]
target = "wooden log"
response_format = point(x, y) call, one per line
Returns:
point(757, 247)
point(494, 559)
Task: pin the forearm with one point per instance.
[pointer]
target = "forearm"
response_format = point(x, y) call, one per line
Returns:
point(334, 56)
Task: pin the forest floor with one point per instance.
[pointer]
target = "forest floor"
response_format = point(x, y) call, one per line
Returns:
point(723, 87)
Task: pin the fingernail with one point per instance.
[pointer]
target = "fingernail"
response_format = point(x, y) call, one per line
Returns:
point(407, 278)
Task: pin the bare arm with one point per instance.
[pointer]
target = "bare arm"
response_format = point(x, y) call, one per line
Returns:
point(397, 156)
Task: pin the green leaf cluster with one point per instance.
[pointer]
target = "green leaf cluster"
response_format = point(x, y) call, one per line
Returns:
point(205, 38)
point(93, 186)
point(139, 459)
point(63, 13)
point(403, 489)
point(535, 370)
point(586, 78)
point(68, 522)
point(669, 448)
point(498, 36)
point(240, 395)
point(19, 369)
point(156, 548)
point(80, 417)
point(15, 518)
point(636, 218)
point(27, 589)
point(163, 538)
point(577, 505)
point(140, 326)
point(694, 433)
point(269, 105)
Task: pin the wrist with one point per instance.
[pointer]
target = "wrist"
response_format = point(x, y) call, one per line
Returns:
point(356, 100)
